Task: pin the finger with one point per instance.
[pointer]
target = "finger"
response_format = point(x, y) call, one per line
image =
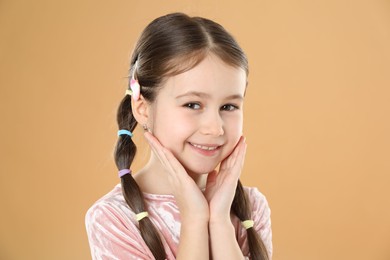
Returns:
point(154, 145)
point(243, 154)
point(172, 160)
point(160, 151)
point(166, 157)
point(238, 162)
point(229, 161)
point(239, 151)
point(232, 166)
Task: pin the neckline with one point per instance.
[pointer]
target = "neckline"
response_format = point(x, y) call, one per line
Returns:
point(152, 196)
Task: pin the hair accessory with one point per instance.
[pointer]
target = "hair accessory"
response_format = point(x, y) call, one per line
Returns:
point(128, 92)
point(123, 172)
point(135, 89)
point(134, 85)
point(247, 224)
point(125, 132)
point(141, 215)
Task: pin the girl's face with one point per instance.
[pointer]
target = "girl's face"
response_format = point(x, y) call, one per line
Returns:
point(198, 115)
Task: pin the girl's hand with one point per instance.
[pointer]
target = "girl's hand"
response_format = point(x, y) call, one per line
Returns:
point(221, 186)
point(189, 198)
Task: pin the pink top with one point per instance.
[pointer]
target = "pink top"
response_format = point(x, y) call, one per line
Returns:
point(113, 230)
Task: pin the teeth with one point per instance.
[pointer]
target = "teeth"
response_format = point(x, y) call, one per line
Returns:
point(205, 147)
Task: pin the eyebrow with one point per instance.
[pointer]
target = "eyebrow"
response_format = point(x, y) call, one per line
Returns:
point(205, 95)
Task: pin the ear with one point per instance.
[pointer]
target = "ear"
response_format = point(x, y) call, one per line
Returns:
point(141, 110)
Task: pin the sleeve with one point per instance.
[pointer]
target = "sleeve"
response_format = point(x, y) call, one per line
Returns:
point(114, 236)
point(261, 214)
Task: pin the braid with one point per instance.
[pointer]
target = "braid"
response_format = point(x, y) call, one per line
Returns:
point(242, 209)
point(168, 46)
point(125, 151)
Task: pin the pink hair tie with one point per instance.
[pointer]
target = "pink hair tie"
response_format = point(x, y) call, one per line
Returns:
point(123, 172)
point(135, 88)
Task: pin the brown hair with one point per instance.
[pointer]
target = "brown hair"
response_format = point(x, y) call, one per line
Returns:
point(168, 46)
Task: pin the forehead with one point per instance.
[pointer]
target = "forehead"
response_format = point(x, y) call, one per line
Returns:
point(211, 76)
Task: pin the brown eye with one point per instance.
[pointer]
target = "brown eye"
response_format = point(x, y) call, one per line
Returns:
point(229, 107)
point(194, 106)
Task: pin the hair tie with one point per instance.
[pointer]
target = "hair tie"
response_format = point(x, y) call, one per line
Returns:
point(141, 215)
point(125, 132)
point(124, 172)
point(247, 224)
point(135, 88)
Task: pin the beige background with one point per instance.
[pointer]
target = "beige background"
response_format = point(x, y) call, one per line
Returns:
point(317, 118)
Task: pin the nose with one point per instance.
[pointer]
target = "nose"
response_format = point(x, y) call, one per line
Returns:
point(212, 124)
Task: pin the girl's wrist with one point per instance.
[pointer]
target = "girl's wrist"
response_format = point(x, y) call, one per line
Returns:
point(194, 221)
point(221, 227)
point(220, 221)
point(194, 225)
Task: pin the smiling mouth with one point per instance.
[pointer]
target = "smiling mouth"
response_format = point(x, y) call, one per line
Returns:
point(204, 147)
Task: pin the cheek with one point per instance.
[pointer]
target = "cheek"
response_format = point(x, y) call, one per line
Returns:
point(172, 128)
point(234, 126)
point(234, 130)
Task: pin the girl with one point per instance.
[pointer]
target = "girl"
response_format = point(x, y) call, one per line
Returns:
point(187, 87)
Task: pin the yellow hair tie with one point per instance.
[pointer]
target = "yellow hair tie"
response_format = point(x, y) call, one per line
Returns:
point(141, 215)
point(247, 224)
point(129, 92)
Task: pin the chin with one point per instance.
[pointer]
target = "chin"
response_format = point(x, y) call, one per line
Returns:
point(199, 167)
point(200, 170)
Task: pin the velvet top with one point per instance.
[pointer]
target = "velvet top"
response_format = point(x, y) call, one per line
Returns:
point(113, 229)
